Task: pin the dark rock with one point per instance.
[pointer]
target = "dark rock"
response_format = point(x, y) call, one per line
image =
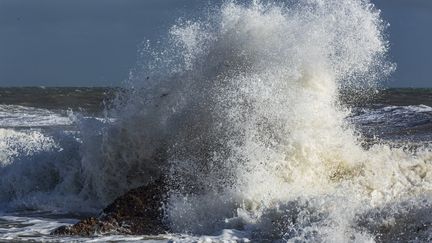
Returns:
point(138, 212)
point(88, 227)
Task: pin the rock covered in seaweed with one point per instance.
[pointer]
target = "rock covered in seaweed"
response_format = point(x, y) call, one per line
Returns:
point(138, 212)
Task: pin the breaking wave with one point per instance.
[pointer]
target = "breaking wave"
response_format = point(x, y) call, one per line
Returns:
point(240, 111)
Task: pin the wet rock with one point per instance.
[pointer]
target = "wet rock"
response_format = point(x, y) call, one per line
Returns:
point(138, 212)
point(88, 227)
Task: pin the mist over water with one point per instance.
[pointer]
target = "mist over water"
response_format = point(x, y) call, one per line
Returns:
point(239, 110)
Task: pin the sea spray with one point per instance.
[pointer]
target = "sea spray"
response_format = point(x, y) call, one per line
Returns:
point(257, 139)
point(239, 110)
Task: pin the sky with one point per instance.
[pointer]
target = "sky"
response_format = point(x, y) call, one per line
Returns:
point(95, 42)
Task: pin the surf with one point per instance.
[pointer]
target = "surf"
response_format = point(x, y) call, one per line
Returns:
point(240, 111)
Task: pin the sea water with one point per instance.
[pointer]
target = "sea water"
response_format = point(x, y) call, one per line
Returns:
point(264, 119)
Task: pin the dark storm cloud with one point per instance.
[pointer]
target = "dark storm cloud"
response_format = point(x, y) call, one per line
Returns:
point(94, 42)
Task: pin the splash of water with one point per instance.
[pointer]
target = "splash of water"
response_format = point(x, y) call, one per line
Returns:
point(254, 135)
point(240, 110)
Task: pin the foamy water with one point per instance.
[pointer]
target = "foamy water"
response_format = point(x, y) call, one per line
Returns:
point(240, 109)
point(21, 116)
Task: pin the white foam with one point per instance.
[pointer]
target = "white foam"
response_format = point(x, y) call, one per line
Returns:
point(28, 229)
point(23, 116)
point(15, 144)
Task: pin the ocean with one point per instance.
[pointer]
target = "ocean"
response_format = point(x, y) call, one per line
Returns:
point(41, 137)
point(266, 120)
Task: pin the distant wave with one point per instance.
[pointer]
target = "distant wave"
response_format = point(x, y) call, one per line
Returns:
point(23, 116)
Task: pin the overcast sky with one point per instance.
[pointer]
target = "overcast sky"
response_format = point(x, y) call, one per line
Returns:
point(95, 42)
